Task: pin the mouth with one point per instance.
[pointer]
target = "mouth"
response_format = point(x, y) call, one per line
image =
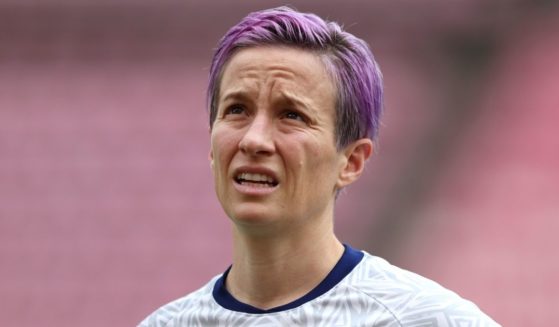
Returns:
point(256, 180)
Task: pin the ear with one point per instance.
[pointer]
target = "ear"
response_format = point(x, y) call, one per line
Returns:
point(355, 156)
point(211, 154)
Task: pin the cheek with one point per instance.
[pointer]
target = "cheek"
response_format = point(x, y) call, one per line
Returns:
point(223, 147)
point(221, 151)
point(319, 151)
point(318, 161)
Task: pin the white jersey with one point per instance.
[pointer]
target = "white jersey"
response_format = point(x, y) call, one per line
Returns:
point(361, 290)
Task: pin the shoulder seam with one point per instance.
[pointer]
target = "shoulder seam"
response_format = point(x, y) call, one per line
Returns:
point(379, 302)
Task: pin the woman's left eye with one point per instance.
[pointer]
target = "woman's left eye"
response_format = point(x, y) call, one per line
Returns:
point(293, 115)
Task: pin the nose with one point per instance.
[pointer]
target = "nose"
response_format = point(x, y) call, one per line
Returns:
point(258, 138)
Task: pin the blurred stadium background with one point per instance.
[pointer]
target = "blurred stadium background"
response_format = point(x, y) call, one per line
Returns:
point(107, 207)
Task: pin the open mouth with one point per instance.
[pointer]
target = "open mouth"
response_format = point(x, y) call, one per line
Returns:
point(256, 180)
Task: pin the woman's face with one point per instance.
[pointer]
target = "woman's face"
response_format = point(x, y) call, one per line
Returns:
point(273, 149)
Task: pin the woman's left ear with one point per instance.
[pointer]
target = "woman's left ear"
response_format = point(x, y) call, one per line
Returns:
point(355, 156)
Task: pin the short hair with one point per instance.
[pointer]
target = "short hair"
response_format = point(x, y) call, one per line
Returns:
point(348, 60)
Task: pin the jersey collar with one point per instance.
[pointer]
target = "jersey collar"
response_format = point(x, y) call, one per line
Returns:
point(349, 260)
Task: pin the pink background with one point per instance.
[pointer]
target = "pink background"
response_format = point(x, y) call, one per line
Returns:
point(107, 208)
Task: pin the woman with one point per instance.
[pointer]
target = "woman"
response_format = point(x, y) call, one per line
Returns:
point(294, 109)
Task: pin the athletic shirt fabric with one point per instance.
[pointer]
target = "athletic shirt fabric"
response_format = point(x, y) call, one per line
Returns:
point(361, 290)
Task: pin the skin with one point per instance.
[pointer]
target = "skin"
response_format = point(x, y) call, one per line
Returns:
point(276, 117)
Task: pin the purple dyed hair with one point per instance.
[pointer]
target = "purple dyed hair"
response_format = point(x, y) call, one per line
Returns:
point(347, 58)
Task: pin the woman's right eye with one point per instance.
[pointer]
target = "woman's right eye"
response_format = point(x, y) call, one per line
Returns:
point(234, 110)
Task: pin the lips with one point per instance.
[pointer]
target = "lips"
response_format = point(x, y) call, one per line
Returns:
point(255, 177)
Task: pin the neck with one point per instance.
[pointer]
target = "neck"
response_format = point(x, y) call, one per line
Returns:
point(271, 271)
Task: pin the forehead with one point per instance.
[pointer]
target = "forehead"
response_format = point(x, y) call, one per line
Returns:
point(300, 70)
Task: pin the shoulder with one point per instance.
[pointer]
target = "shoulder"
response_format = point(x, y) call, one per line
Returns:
point(163, 316)
point(412, 299)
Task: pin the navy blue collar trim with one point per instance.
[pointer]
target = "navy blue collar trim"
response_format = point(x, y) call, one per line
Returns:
point(343, 267)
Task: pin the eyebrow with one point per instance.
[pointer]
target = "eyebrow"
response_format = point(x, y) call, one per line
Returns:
point(284, 97)
point(235, 95)
point(293, 99)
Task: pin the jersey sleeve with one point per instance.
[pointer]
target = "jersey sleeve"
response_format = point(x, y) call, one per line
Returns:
point(162, 316)
point(414, 300)
point(444, 309)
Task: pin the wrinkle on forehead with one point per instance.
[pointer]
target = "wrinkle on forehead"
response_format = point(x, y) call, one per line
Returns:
point(274, 88)
point(282, 67)
point(254, 76)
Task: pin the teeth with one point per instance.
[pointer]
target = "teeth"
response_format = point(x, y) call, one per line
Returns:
point(255, 177)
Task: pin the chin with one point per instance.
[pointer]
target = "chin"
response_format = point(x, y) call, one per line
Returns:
point(251, 215)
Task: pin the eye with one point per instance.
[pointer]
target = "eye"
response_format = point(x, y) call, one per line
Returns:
point(293, 115)
point(235, 109)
